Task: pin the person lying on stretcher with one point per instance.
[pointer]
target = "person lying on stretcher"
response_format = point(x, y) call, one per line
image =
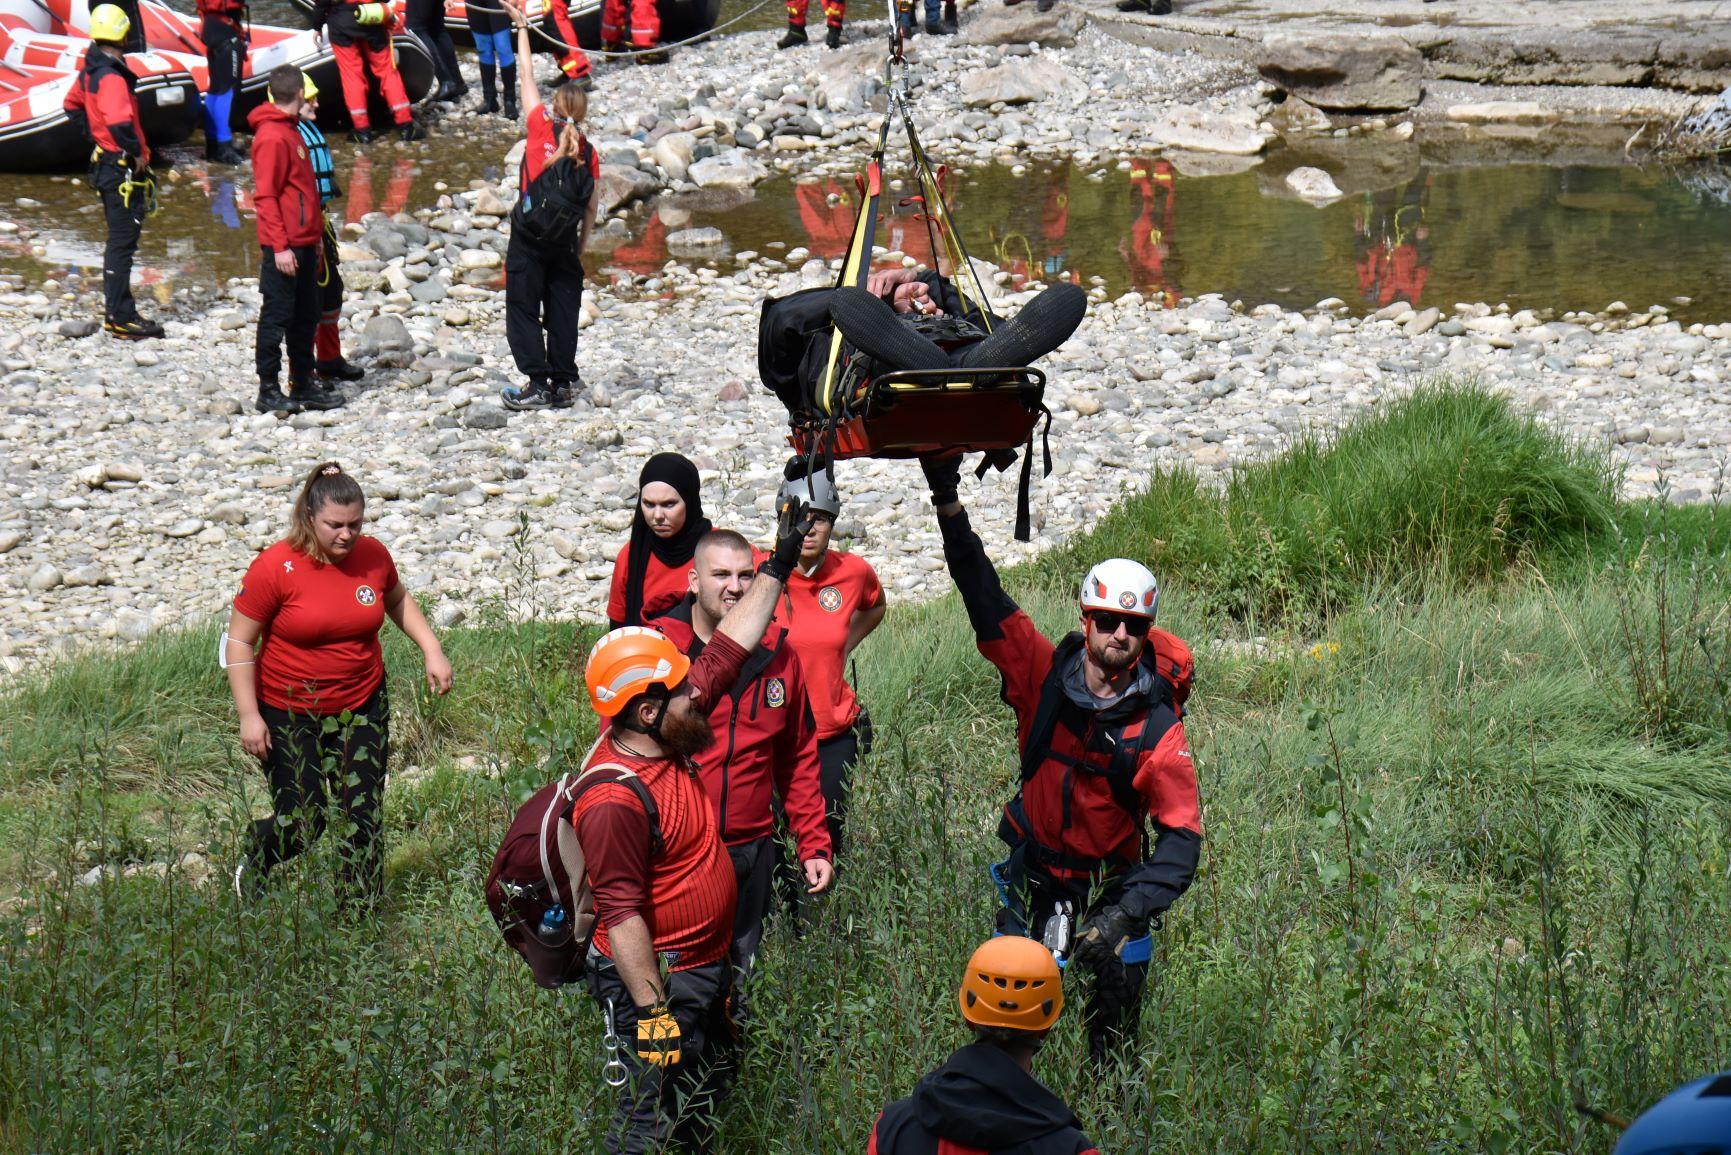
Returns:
point(903, 320)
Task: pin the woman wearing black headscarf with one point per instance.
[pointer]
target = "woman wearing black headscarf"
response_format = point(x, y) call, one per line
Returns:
point(652, 572)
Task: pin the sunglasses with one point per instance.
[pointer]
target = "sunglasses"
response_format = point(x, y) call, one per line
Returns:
point(1134, 624)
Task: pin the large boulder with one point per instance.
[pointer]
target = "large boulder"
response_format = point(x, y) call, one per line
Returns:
point(1025, 25)
point(620, 185)
point(673, 153)
point(1193, 129)
point(733, 169)
point(847, 80)
point(1313, 185)
point(1345, 72)
point(1021, 82)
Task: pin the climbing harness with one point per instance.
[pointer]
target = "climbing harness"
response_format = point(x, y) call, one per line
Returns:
point(614, 1072)
point(916, 412)
point(132, 183)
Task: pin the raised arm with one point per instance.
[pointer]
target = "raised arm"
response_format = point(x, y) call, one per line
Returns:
point(529, 93)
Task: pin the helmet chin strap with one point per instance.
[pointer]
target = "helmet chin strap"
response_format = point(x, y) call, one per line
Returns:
point(654, 728)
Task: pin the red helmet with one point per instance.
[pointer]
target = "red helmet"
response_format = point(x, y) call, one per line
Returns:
point(629, 661)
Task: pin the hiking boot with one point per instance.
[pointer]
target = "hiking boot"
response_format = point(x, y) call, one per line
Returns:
point(533, 395)
point(832, 38)
point(490, 106)
point(411, 130)
point(315, 395)
point(793, 37)
point(658, 56)
point(874, 329)
point(339, 370)
point(362, 135)
point(614, 46)
point(135, 329)
point(940, 28)
point(272, 400)
point(508, 89)
point(510, 110)
point(564, 393)
point(451, 91)
point(223, 152)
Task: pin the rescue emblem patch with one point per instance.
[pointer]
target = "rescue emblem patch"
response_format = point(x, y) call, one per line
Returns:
point(829, 597)
point(1127, 600)
point(366, 596)
point(775, 693)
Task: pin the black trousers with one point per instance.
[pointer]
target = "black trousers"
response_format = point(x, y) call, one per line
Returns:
point(543, 290)
point(125, 224)
point(836, 757)
point(425, 21)
point(1112, 992)
point(671, 1107)
point(309, 761)
point(224, 54)
point(290, 309)
point(754, 871)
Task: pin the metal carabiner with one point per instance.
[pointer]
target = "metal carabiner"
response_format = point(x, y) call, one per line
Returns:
point(614, 1072)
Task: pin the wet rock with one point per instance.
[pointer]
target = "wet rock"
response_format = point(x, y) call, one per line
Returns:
point(673, 153)
point(695, 240)
point(45, 577)
point(1345, 72)
point(1199, 130)
point(77, 327)
point(620, 185)
point(387, 331)
point(1024, 25)
point(1313, 185)
point(1502, 112)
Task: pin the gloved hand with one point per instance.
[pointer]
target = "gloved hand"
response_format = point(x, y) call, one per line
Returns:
point(944, 475)
point(1104, 935)
point(793, 521)
point(658, 1037)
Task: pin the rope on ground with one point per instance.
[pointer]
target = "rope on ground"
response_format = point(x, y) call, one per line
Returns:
point(557, 44)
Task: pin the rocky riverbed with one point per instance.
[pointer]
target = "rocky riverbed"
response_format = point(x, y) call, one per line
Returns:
point(136, 482)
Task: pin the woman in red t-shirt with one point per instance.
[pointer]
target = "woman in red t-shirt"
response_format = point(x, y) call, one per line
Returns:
point(833, 601)
point(544, 280)
point(302, 650)
point(653, 572)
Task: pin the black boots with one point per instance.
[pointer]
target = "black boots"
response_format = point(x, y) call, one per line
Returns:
point(508, 74)
point(451, 86)
point(793, 37)
point(410, 130)
point(223, 152)
point(1147, 7)
point(832, 38)
point(489, 88)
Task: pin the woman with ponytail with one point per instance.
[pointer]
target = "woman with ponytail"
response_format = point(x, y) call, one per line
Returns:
point(653, 572)
point(549, 231)
point(308, 676)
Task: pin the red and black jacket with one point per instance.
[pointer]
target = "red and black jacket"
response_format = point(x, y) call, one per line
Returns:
point(104, 98)
point(229, 11)
point(765, 743)
point(1089, 777)
point(980, 1102)
point(337, 17)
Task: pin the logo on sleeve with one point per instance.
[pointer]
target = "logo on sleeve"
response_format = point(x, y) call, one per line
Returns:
point(366, 596)
point(288, 567)
point(829, 597)
point(775, 693)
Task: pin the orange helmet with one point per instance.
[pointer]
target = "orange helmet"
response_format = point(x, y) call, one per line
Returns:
point(1012, 982)
point(629, 661)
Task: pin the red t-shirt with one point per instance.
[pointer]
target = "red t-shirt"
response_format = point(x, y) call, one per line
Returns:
point(686, 894)
point(320, 650)
point(817, 611)
point(543, 143)
point(663, 587)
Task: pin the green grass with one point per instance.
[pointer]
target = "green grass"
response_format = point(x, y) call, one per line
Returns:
point(1464, 763)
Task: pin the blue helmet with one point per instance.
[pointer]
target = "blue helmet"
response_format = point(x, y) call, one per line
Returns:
point(1695, 1119)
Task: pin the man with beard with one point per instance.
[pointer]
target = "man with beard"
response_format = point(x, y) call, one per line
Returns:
point(766, 740)
point(665, 908)
point(1102, 751)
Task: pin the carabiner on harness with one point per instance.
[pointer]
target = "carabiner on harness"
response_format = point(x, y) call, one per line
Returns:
point(614, 1072)
point(144, 186)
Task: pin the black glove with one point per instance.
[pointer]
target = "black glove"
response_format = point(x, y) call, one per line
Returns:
point(944, 475)
point(793, 521)
point(1104, 935)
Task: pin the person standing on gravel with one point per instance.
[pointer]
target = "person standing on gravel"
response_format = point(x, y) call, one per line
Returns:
point(1102, 752)
point(328, 360)
point(103, 101)
point(834, 600)
point(490, 22)
point(308, 677)
point(652, 573)
point(290, 218)
point(425, 21)
point(225, 51)
point(550, 227)
point(659, 963)
point(360, 35)
point(834, 12)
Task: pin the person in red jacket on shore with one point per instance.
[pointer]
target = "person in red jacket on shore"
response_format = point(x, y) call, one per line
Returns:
point(1102, 753)
point(308, 677)
point(653, 570)
point(291, 230)
point(766, 740)
point(103, 101)
point(668, 910)
point(360, 35)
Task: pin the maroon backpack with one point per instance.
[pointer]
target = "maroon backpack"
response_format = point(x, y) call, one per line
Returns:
point(539, 867)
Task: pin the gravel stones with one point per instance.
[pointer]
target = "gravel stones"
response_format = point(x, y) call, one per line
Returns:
point(77, 327)
point(387, 331)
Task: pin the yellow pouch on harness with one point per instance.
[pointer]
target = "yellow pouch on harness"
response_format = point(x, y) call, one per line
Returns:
point(371, 13)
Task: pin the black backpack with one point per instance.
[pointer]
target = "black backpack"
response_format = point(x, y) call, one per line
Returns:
point(551, 211)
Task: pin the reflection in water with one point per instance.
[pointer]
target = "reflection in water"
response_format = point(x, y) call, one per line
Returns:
point(1392, 240)
point(1150, 249)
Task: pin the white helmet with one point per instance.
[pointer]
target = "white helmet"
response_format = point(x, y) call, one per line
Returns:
point(816, 491)
point(1121, 586)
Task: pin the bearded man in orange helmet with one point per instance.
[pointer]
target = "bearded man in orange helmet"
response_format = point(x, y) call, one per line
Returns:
point(985, 1100)
point(665, 905)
